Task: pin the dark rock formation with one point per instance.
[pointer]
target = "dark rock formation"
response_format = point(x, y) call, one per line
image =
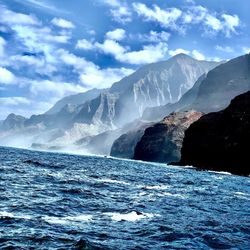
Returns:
point(220, 141)
point(163, 141)
point(124, 146)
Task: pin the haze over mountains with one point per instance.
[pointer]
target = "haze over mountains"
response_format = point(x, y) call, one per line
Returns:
point(97, 111)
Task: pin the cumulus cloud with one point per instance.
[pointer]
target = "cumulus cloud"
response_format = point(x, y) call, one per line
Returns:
point(226, 49)
point(120, 12)
point(178, 51)
point(198, 55)
point(180, 19)
point(84, 44)
point(90, 74)
point(62, 23)
point(167, 18)
point(6, 76)
point(152, 37)
point(10, 17)
point(117, 34)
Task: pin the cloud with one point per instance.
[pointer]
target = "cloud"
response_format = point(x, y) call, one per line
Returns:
point(246, 50)
point(58, 89)
point(117, 34)
point(10, 17)
point(230, 24)
point(90, 74)
point(226, 49)
point(198, 55)
point(111, 47)
point(212, 22)
point(62, 23)
point(152, 37)
point(84, 44)
point(120, 12)
point(6, 76)
point(178, 51)
point(166, 18)
point(13, 101)
point(2, 47)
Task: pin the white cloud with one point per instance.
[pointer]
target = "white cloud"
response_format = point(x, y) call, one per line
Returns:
point(117, 34)
point(153, 37)
point(120, 12)
point(90, 74)
point(167, 18)
point(13, 101)
point(2, 45)
point(11, 17)
point(226, 49)
point(62, 23)
point(84, 44)
point(230, 24)
point(6, 76)
point(111, 47)
point(178, 51)
point(58, 89)
point(246, 50)
point(198, 55)
point(149, 54)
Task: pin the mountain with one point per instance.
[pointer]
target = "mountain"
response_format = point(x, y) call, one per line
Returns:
point(98, 111)
point(213, 91)
point(162, 142)
point(152, 85)
point(220, 140)
point(74, 100)
point(13, 122)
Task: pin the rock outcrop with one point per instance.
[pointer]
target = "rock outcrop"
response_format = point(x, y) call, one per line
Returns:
point(124, 146)
point(162, 142)
point(220, 141)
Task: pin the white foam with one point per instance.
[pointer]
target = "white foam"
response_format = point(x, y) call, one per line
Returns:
point(15, 216)
point(242, 195)
point(219, 172)
point(67, 219)
point(132, 216)
point(156, 187)
point(113, 181)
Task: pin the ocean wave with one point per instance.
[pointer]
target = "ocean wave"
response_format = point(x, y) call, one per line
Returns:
point(132, 216)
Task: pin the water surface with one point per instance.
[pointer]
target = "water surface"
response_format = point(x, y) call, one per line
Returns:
point(62, 201)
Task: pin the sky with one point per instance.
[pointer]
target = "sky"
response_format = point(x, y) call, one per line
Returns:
point(51, 48)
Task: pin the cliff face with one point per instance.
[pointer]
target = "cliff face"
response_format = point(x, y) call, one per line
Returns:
point(124, 146)
point(220, 141)
point(212, 92)
point(163, 141)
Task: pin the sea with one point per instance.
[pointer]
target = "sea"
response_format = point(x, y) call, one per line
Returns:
point(65, 201)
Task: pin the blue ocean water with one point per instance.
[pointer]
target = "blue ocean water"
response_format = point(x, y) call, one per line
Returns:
point(62, 201)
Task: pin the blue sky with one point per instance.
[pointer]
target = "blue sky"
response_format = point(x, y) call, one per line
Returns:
point(51, 48)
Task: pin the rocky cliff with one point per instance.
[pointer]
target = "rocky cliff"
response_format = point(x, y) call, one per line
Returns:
point(162, 142)
point(13, 122)
point(124, 146)
point(212, 92)
point(220, 141)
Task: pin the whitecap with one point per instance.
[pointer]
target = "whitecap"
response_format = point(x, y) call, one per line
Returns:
point(157, 187)
point(67, 219)
point(219, 172)
point(132, 216)
point(15, 216)
point(113, 181)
